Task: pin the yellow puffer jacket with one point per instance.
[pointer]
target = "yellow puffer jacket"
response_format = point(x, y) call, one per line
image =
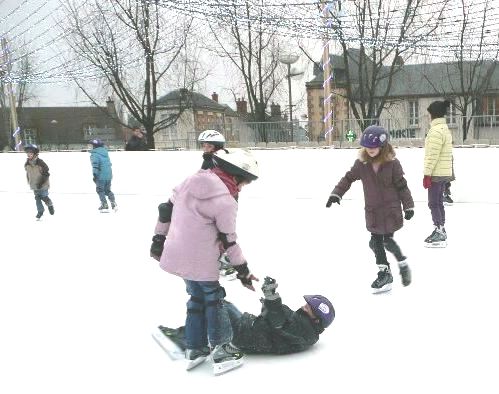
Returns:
point(438, 149)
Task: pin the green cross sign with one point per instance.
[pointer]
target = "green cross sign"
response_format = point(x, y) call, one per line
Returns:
point(350, 135)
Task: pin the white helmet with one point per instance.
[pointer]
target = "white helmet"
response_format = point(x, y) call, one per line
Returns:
point(237, 162)
point(212, 137)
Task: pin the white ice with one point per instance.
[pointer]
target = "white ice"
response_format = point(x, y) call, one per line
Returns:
point(79, 294)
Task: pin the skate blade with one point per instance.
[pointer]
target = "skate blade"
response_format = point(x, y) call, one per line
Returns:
point(221, 368)
point(383, 289)
point(448, 204)
point(167, 345)
point(191, 364)
point(230, 276)
point(104, 211)
point(436, 244)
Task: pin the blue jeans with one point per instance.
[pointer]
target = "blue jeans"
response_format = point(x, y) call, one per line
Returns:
point(103, 189)
point(207, 316)
point(436, 203)
point(42, 195)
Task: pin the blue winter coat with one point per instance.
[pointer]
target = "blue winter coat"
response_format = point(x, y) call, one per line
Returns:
point(101, 164)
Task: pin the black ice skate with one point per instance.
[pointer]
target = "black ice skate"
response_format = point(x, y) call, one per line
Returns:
point(114, 206)
point(405, 273)
point(226, 357)
point(171, 341)
point(39, 215)
point(437, 239)
point(104, 208)
point(384, 280)
point(448, 200)
point(194, 357)
point(227, 270)
point(51, 209)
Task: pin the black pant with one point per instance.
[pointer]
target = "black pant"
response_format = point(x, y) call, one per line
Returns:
point(380, 242)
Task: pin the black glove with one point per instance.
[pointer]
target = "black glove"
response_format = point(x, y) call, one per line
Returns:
point(268, 288)
point(158, 242)
point(95, 179)
point(39, 185)
point(409, 213)
point(332, 198)
point(244, 275)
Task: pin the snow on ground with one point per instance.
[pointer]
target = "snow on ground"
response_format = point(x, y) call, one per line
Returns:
point(80, 295)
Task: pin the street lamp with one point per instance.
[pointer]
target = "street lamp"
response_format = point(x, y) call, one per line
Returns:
point(289, 59)
point(54, 122)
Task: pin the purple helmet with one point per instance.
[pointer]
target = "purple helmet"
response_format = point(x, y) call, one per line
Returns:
point(96, 142)
point(374, 137)
point(322, 308)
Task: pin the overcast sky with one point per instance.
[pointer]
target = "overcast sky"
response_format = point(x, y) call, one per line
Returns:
point(34, 22)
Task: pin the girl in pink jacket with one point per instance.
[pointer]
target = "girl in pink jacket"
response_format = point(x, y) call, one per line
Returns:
point(199, 217)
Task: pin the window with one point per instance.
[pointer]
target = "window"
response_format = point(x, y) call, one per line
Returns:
point(413, 113)
point(88, 130)
point(29, 136)
point(490, 110)
point(452, 114)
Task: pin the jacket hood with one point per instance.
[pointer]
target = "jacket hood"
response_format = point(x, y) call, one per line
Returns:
point(205, 185)
point(99, 151)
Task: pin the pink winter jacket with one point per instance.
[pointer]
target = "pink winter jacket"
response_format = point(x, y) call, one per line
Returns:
point(202, 208)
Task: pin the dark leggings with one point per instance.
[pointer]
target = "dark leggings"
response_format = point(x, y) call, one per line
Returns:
point(380, 242)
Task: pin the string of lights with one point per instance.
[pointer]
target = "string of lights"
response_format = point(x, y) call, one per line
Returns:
point(296, 19)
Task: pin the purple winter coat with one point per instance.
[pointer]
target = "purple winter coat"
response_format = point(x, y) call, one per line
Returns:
point(202, 208)
point(384, 192)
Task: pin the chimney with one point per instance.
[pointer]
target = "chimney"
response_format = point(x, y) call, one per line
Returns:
point(111, 109)
point(242, 106)
point(214, 97)
point(275, 110)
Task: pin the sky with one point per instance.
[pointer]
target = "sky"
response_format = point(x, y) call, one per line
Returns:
point(81, 296)
point(35, 20)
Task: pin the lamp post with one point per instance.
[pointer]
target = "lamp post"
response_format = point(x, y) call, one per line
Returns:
point(289, 59)
point(53, 122)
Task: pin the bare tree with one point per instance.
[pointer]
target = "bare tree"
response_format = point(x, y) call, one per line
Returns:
point(252, 46)
point(376, 40)
point(134, 47)
point(468, 77)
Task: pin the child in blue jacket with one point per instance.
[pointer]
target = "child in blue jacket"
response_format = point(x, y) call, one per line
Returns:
point(103, 174)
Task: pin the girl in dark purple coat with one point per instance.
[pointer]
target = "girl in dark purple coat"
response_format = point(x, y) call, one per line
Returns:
point(385, 190)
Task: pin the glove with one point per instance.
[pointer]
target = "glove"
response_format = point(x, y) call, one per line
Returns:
point(39, 186)
point(95, 179)
point(426, 181)
point(268, 288)
point(158, 242)
point(332, 198)
point(245, 276)
point(409, 213)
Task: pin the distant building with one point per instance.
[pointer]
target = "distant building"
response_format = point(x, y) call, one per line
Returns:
point(66, 127)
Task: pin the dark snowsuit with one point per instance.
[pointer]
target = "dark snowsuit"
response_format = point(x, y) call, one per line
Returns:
point(277, 330)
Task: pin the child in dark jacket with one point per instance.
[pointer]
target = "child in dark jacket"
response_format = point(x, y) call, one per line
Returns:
point(385, 189)
point(102, 174)
point(37, 174)
point(211, 142)
point(276, 330)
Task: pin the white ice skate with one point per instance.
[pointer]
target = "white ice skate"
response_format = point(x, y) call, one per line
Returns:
point(226, 270)
point(172, 349)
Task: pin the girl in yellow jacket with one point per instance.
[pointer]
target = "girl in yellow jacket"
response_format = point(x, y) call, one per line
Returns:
point(437, 170)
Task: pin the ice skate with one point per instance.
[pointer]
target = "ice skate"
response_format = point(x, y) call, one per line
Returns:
point(104, 208)
point(383, 282)
point(195, 357)
point(437, 239)
point(226, 270)
point(39, 216)
point(226, 357)
point(448, 200)
point(51, 209)
point(171, 341)
point(405, 273)
point(114, 206)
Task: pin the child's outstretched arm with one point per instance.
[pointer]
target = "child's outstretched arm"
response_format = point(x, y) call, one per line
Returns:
point(344, 184)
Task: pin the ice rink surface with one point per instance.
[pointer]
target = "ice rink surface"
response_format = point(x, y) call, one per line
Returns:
point(80, 294)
